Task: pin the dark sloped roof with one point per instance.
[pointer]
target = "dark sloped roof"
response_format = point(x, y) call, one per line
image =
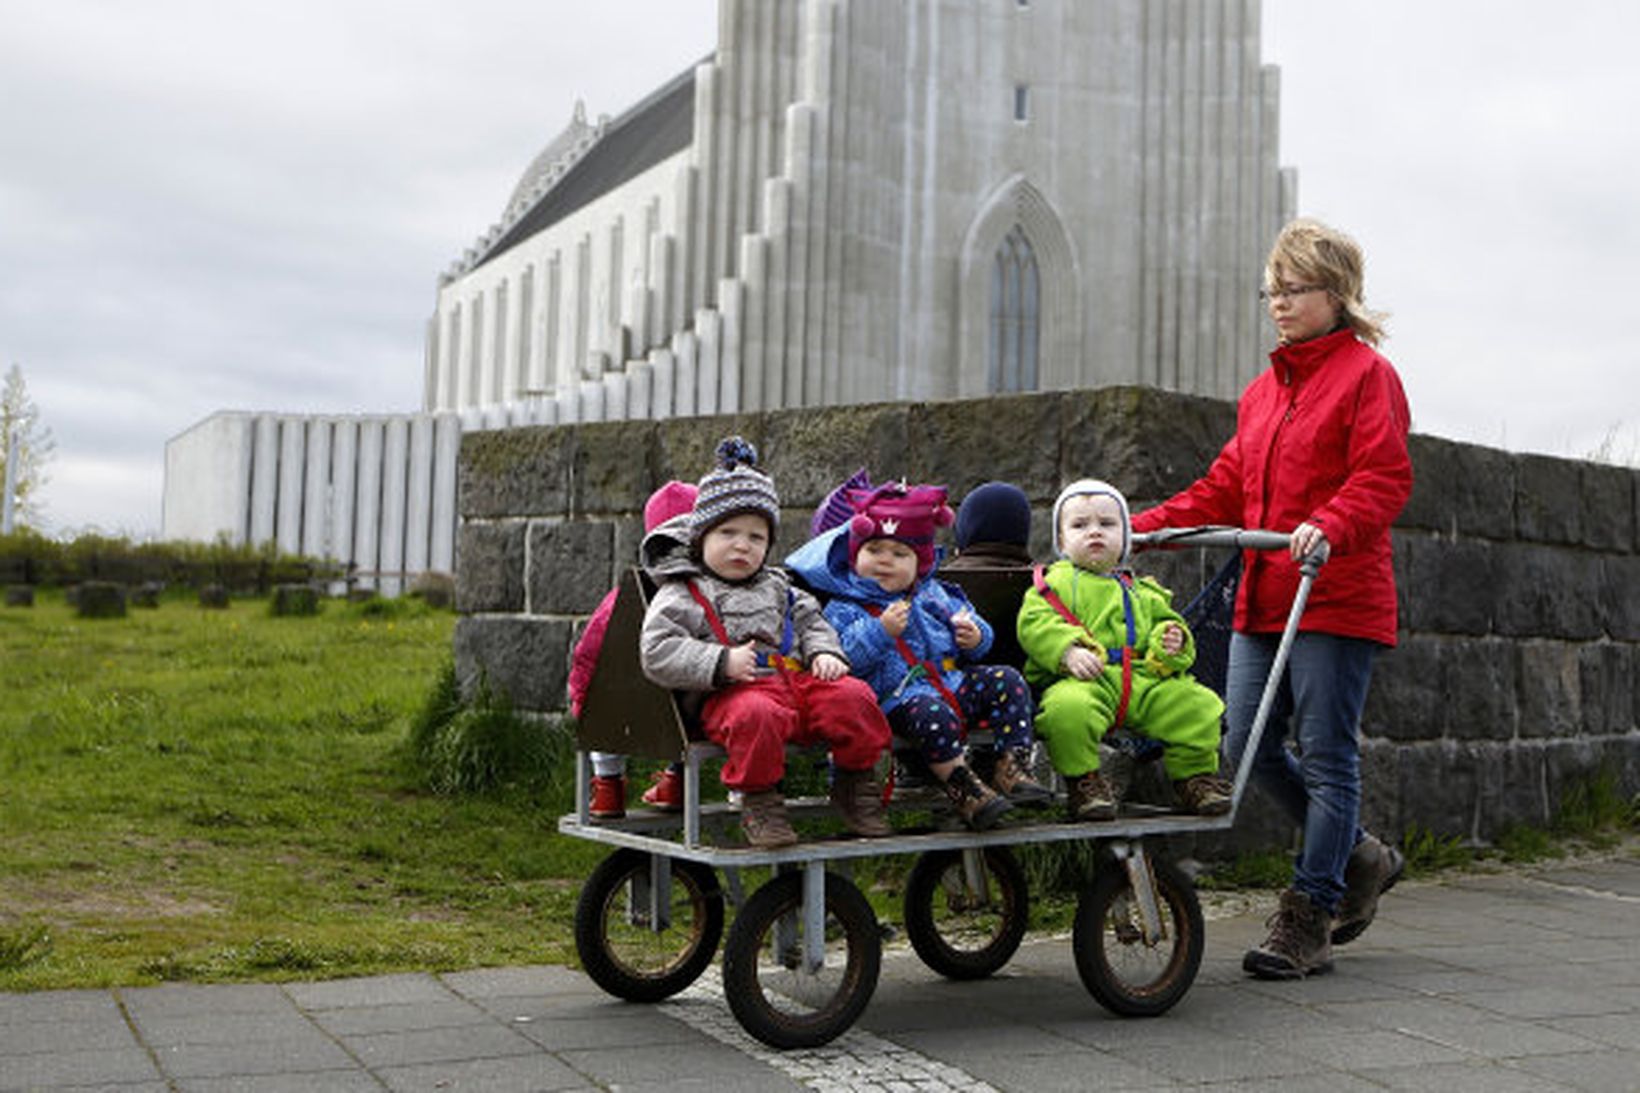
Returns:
point(655, 129)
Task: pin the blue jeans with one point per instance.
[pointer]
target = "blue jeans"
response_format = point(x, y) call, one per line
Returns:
point(1318, 704)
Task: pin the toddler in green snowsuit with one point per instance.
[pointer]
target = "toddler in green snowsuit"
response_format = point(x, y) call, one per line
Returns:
point(1111, 650)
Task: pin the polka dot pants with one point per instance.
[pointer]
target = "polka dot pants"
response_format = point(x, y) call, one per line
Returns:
point(993, 698)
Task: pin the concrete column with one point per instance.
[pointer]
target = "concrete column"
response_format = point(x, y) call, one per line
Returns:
point(344, 469)
point(288, 502)
point(367, 510)
point(418, 495)
point(686, 387)
point(617, 391)
point(592, 400)
point(658, 324)
point(731, 305)
point(701, 185)
point(708, 363)
point(430, 386)
point(441, 554)
point(777, 377)
point(317, 534)
point(680, 299)
point(395, 477)
point(800, 233)
point(665, 378)
point(264, 479)
point(754, 392)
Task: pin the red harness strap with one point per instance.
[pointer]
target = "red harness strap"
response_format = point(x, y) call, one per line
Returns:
point(781, 662)
point(1065, 613)
point(931, 670)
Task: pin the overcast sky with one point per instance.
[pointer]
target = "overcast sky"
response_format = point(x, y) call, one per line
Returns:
point(242, 205)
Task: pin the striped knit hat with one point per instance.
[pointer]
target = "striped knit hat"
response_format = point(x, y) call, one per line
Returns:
point(735, 486)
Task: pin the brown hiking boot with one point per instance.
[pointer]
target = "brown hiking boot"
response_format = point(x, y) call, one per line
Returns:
point(1373, 869)
point(977, 803)
point(1090, 798)
point(859, 802)
point(763, 819)
point(1012, 778)
point(1298, 944)
point(1203, 794)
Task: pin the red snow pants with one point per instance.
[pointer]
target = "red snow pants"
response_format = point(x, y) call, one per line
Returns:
point(755, 721)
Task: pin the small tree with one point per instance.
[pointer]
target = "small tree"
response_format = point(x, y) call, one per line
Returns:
point(20, 417)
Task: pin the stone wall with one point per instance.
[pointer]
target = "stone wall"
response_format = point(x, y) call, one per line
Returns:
point(1517, 677)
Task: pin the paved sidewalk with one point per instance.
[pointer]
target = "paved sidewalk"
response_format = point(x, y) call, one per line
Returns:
point(1478, 982)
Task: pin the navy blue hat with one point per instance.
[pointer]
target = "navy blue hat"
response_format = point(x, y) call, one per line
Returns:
point(997, 512)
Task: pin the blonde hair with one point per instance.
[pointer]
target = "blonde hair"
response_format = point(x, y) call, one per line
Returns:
point(1310, 252)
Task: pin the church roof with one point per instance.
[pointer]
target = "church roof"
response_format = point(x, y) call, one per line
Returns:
point(584, 162)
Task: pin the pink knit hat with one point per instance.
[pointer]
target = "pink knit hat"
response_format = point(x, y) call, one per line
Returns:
point(673, 499)
point(909, 515)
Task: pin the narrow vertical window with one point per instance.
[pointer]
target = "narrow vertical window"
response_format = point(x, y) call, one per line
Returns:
point(1011, 350)
point(1022, 102)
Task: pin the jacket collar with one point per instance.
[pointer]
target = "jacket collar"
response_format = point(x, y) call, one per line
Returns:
point(1297, 363)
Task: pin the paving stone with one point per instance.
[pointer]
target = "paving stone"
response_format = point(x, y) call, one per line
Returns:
point(524, 1073)
point(308, 1053)
point(384, 1049)
point(114, 1067)
point(383, 990)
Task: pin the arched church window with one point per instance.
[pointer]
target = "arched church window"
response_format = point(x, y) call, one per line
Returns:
point(1016, 296)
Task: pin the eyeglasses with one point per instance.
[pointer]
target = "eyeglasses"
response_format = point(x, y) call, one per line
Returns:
point(1287, 292)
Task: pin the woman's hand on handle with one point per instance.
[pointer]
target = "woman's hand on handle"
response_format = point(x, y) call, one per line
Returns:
point(1307, 539)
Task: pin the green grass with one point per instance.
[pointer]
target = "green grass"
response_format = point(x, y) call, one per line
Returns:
point(218, 795)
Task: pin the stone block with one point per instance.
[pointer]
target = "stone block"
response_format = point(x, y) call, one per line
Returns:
point(100, 600)
point(1608, 507)
point(1460, 489)
point(516, 472)
point(571, 566)
point(525, 659)
point(1606, 679)
point(1445, 586)
point(20, 595)
point(1548, 499)
point(684, 447)
point(1513, 791)
point(1154, 442)
point(435, 588)
point(628, 534)
point(490, 567)
point(291, 600)
point(1620, 596)
point(1406, 700)
point(1440, 783)
point(1478, 689)
point(614, 467)
point(962, 443)
point(808, 452)
point(1571, 766)
point(213, 597)
point(1548, 592)
point(147, 594)
point(1549, 688)
point(1382, 809)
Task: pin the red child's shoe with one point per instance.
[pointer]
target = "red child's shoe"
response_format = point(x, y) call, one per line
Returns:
point(666, 795)
point(608, 797)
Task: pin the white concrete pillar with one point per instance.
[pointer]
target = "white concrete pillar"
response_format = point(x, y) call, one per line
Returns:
point(615, 397)
point(344, 470)
point(777, 385)
point(441, 553)
point(592, 401)
point(292, 467)
point(367, 510)
point(418, 495)
point(664, 403)
point(708, 364)
point(264, 479)
point(686, 385)
point(731, 305)
point(637, 394)
point(317, 538)
point(395, 477)
point(755, 392)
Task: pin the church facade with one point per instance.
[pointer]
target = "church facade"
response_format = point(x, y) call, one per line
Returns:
point(848, 201)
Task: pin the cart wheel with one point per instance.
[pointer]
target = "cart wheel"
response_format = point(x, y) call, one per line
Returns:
point(623, 948)
point(1127, 974)
point(965, 932)
point(773, 994)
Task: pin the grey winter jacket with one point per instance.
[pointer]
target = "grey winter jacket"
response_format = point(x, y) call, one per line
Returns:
point(677, 646)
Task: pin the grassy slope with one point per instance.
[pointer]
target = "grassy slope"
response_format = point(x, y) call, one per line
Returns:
point(219, 795)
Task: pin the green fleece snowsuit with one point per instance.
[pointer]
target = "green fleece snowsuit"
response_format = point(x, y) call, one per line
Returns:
point(1165, 703)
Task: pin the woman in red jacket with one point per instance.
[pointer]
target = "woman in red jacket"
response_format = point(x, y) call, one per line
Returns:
point(1320, 451)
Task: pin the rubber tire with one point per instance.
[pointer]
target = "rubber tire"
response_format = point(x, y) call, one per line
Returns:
point(602, 897)
point(923, 889)
point(749, 938)
point(1094, 939)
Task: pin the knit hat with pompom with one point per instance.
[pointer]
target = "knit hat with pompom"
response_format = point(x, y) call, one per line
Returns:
point(907, 514)
point(734, 487)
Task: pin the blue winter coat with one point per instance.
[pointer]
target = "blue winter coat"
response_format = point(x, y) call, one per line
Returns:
point(822, 564)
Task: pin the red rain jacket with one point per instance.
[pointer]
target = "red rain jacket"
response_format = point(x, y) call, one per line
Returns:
point(1320, 437)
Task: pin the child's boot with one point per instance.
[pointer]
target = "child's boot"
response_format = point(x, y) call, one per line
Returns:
point(1204, 794)
point(1298, 944)
point(1091, 798)
point(608, 797)
point(763, 819)
point(1012, 778)
point(666, 795)
point(977, 803)
point(859, 802)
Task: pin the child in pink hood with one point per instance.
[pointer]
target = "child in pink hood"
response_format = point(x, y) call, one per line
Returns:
point(609, 768)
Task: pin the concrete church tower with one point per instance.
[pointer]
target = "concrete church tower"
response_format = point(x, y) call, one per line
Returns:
point(848, 201)
point(860, 200)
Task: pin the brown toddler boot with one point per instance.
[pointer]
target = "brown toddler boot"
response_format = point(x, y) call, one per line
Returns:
point(859, 802)
point(1373, 869)
point(977, 803)
point(1298, 944)
point(1012, 778)
point(1204, 794)
point(763, 819)
point(1090, 798)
